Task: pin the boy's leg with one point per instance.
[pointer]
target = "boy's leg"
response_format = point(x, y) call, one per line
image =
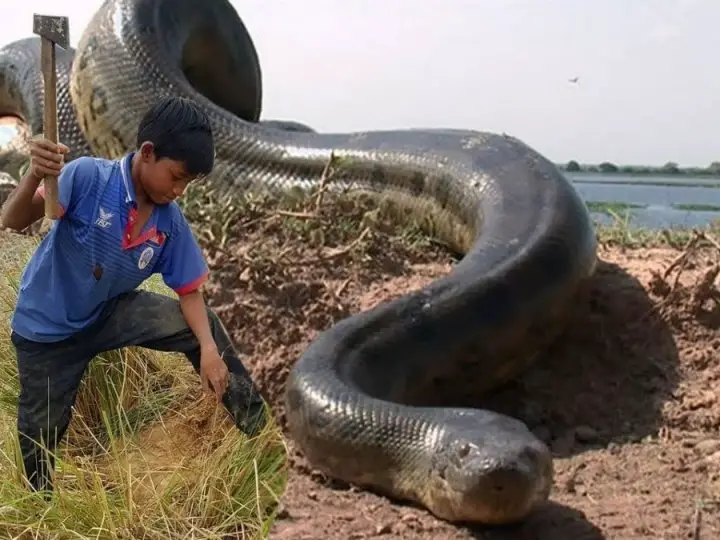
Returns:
point(49, 376)
point(155, 321)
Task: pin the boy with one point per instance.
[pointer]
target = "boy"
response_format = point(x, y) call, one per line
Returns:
point(78, 294)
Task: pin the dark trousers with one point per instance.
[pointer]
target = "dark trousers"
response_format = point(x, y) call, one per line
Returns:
point(50, 373)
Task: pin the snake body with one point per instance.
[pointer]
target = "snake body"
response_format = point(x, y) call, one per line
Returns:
point(354, 399)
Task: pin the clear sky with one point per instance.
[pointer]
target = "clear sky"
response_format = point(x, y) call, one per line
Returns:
point(644, 95)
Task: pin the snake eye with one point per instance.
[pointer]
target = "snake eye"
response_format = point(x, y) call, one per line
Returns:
point(463, 450)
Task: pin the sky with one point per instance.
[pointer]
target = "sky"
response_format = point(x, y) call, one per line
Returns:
point(644, 94)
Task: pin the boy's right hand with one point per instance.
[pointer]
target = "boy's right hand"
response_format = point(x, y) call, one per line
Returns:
point(46, 157)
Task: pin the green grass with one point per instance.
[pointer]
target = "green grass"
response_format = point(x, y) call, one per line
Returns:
point(623, 234)
point(696, 207)
point(611, 207)
point(679, 183)
point(136, 462)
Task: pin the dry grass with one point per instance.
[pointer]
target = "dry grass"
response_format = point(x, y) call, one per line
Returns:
point(146, 455)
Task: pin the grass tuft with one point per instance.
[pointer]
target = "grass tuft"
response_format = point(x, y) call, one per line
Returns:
point(146, 455)
point(621, 233)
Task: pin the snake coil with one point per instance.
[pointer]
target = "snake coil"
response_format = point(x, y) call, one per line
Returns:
point(354, 398)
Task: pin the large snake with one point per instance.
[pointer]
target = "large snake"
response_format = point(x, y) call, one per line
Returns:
point(354, 398)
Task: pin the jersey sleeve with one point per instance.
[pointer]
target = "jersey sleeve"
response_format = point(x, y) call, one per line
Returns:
point(182, 265)
point(74, 184)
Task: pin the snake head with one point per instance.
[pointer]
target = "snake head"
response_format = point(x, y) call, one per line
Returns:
point(488, 468)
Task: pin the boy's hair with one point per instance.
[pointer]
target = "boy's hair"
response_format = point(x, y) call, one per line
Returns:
point(179, 131)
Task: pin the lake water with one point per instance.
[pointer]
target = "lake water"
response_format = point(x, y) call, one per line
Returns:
point(655, 199)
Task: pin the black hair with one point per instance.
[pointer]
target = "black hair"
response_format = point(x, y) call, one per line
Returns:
point(179, 131)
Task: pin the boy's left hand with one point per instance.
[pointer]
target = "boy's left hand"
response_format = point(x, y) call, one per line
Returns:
point(213, 371)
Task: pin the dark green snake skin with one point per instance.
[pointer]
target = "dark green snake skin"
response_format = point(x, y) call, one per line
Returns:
point(352, 399)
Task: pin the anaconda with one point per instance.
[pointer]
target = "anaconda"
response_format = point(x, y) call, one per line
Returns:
point(353, 398)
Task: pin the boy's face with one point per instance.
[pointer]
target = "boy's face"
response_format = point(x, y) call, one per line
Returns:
point(163, 180)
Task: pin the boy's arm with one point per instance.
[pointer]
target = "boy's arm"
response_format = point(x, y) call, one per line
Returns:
point(184, 270)
point(26, 205)
point(195, 312)
point(214, 372)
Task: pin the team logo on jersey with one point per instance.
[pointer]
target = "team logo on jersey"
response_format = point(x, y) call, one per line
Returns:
point(104, 219)
point(145, 257)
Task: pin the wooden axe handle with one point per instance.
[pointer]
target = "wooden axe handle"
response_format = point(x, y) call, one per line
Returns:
point(47, 64)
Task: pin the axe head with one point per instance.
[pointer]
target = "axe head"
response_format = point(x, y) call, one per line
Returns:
point(52, 27)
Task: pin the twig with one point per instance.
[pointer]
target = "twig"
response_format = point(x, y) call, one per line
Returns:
point(282, 253)
point(709, 238)
point(342, 287)
point(348, 247)
point(680, 259)
point(332, 253)
point(337, 292)
point(676, 281)
point(706, 287)
point(264, 217)
point(697, 523)
point(299, 215)
point(324, 178)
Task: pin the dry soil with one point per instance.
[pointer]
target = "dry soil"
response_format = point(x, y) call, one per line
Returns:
point(627, 398)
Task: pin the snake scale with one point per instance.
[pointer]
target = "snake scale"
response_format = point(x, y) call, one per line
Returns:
point(354, 398)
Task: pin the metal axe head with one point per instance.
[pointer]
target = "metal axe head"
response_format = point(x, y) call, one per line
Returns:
point(52, 27)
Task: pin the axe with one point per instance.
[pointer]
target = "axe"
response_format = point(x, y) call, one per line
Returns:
point(53, 31)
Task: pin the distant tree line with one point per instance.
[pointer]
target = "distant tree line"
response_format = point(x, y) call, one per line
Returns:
point(670, 168)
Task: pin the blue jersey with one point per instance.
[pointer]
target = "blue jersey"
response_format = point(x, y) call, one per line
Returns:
point(88, 257)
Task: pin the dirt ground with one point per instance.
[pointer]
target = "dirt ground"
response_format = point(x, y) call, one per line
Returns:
point(627, 398)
